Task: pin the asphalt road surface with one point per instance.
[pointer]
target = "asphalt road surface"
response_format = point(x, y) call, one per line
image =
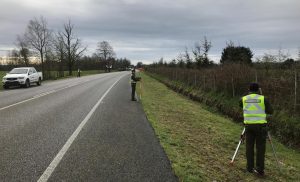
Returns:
point(79, 129)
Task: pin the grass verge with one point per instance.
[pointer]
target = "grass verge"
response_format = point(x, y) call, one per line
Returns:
point(54, 74)
point(285, 127)
point(2, 74)
point(200, 142)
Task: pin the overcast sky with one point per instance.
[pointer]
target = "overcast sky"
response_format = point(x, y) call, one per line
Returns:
point(146, 30)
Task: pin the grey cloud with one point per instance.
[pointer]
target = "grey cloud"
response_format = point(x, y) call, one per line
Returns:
point(162, 27)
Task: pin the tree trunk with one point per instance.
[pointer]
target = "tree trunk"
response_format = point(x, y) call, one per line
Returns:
point(70, 69)
point(42, 61)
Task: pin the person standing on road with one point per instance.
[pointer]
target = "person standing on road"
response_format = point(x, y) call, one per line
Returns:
point(255, 109)
point(78, 72)
point(134, 79)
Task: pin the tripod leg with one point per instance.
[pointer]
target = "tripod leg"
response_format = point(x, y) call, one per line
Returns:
point(237, 148)
point(274, 153)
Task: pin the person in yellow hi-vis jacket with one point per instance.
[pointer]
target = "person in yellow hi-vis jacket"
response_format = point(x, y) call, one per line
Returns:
point(255, 109)
point(134, 79)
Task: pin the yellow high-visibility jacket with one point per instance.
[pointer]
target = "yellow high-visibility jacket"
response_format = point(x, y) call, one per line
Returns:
point(254, 109)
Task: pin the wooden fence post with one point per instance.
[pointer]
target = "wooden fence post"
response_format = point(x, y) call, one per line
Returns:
point(195, 83)
point(256, 80)
point(214, 82)
point(204, 82)
point(188, 78)
point(295, 103)
point(173, 75)
point(232, 85)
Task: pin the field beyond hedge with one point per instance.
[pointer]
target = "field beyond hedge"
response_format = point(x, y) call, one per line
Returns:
point(200, 142)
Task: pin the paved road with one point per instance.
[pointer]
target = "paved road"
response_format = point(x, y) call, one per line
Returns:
point(80, 129)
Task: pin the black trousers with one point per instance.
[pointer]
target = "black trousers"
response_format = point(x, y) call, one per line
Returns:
point(133, 85)
point(256, 134)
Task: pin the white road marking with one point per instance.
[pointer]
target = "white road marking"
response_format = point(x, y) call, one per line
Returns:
point(16, 104)
point(47, 173)
point(46, 93)
point(34, 97)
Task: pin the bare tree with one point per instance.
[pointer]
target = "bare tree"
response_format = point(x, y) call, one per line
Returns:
point(23, 50)
point(60, 52)
point(200, 53)
point(230, 43)
point(73, 46)
point(49, 59)
point(206, 45)
point(282, 55)
point(198, 57)
point(267, 60)
point(105, 52)
point(38, 37)
point(180, 60)
point(188, 60)
point(13, 57)
point(161, 61)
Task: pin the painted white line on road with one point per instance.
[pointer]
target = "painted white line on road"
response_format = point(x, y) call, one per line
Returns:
point(16, 104)
point(34, 97)
point(47, 173)
point(46, 93)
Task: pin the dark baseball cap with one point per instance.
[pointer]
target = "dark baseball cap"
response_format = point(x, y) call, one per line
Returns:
point(253, 87)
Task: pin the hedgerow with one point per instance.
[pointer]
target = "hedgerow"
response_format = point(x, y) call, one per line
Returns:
point(221, 88)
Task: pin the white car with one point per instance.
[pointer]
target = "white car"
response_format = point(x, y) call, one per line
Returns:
point(23, 76)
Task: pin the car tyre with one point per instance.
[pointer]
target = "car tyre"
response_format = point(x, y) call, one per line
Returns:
point(5, 87)
point(39, 82)
point(27, 84)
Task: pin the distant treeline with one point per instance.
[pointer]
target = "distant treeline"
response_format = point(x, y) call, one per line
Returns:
point(221, 85)
point(84, 63)
point(59, 51)
point(232, 80)
point(278, 74)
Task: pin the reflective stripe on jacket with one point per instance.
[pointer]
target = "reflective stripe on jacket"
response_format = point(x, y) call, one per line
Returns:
point(254, 109)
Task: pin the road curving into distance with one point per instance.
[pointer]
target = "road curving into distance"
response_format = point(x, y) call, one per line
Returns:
point(78, 129)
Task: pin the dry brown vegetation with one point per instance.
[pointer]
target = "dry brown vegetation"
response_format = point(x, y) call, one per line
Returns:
point(222, 86)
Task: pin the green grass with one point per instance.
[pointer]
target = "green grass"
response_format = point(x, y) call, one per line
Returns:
point(91, 72)
point(2, 74)
point(200, 142)
point(54, 74)
point(283, 125)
